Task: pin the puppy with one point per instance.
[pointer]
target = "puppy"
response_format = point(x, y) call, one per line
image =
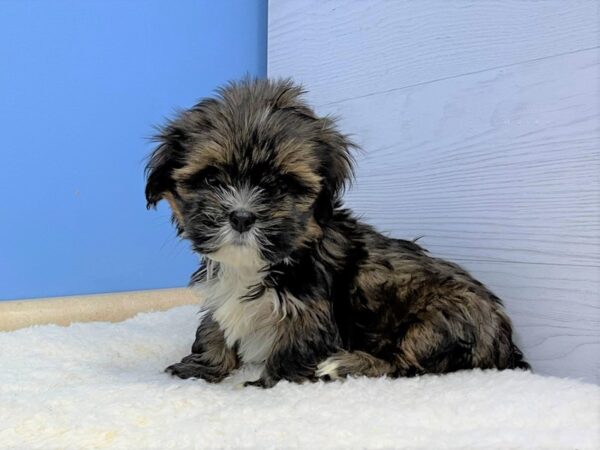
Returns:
point(292, 280)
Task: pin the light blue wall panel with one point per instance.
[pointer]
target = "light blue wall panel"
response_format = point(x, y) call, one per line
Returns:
point(81, 84)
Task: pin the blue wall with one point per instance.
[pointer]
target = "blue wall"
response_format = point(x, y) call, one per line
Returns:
point(81, 84)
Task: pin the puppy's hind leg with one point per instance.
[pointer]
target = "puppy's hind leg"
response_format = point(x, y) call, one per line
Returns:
point(357, 363)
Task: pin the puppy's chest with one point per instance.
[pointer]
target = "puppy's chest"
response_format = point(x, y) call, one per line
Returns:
point(249, 324)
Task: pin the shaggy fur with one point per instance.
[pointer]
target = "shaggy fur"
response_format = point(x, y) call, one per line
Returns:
point(291, 279)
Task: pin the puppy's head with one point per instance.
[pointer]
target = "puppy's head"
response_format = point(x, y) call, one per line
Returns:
point(252, 174)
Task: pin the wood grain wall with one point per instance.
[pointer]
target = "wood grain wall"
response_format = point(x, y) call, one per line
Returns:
point(480, 128)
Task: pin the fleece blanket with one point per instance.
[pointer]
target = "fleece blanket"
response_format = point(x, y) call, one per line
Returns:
point(102, 385)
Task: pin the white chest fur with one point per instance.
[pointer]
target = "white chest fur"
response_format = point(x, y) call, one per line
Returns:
point(251, 324)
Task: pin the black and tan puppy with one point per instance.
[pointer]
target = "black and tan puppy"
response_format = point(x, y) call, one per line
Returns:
point(290, 279)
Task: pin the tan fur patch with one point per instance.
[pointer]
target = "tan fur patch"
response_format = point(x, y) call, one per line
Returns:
point(174, 207)
point(204, 155)
point(294, 157)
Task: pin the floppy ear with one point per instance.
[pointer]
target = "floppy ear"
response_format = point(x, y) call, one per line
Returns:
point(323, 207)
point(167, 157)
point(170, 154)
point(334, 152)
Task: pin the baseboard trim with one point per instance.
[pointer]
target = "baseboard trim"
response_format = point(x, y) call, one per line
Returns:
point(113, 307)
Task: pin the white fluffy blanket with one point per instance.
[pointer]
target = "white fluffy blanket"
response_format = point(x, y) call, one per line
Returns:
point(101, 385)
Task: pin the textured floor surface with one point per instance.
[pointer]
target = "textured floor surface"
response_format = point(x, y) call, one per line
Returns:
point(101, 385)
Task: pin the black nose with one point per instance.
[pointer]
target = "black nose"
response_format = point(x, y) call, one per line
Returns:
point(241, 220)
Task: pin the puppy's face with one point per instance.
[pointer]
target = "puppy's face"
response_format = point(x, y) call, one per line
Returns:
point(250, 175)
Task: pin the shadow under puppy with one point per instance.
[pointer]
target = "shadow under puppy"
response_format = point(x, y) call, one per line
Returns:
point(289, 278)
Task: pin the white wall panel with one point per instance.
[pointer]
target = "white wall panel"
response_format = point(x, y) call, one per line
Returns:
point(480, 129)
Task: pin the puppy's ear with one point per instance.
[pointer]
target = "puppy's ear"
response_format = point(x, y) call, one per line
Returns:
point(323, 207)
point(167, 157)
point(173, 139)
point(336, 161)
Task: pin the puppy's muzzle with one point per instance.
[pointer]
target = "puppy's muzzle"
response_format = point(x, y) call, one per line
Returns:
point(241, 220)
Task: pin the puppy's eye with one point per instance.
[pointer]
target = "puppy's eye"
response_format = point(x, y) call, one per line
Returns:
point(210, 179)
point(207, 177)
point(291, 184)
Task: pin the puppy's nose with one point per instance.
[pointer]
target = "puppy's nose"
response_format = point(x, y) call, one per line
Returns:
point(241, 220)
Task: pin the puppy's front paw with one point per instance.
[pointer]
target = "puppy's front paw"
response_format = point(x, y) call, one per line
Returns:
point(190, 369)
point(264, 383)
point(185, 370)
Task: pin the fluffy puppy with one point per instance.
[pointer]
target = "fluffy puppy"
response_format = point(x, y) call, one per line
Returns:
point(292, 280)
